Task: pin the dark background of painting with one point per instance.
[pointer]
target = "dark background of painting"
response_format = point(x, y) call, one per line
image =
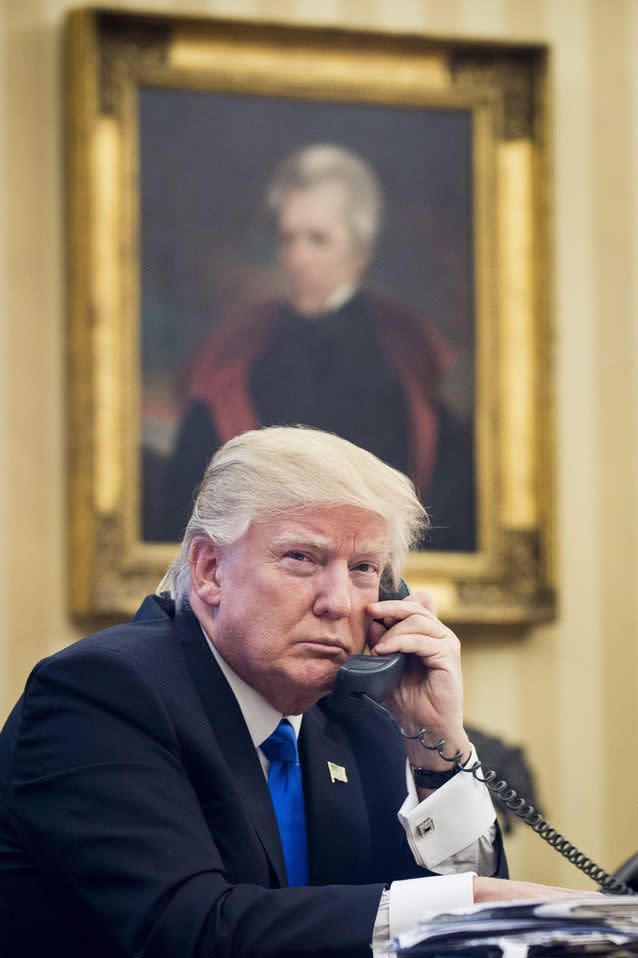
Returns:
point(205, 161)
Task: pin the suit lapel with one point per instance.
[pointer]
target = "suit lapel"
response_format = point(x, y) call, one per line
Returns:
point(338, 827)
point(233, 738)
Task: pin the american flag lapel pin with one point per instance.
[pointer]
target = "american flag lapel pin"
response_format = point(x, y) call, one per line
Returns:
point(337, 773)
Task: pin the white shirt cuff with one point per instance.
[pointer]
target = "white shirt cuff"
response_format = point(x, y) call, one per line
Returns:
point(447, 821)
point(410, 899)
point(406, 902)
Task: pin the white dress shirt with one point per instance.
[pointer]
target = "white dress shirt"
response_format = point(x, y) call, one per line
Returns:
point(459, 845)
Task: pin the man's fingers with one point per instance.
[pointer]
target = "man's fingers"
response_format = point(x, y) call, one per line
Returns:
point(399, 609)
point(411, 642)
point(417, 635)
point(412, 620)
point(408, 625)
point(425, 599)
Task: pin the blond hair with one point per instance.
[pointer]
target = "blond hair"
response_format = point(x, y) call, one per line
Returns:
point(267, 473)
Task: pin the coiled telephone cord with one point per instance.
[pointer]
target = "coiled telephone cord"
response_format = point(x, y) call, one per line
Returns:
point(522, 809)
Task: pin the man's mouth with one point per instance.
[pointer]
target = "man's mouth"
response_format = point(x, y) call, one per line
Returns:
point(329, 645)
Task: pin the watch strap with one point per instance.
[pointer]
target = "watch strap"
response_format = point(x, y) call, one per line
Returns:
point(424, 778)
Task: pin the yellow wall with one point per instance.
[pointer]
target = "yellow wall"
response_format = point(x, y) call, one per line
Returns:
point(566, 691)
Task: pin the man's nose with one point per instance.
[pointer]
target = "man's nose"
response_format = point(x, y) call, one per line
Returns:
point(333, 599)
point(297, 256)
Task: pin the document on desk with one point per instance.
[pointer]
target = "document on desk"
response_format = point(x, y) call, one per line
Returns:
point(583, 925)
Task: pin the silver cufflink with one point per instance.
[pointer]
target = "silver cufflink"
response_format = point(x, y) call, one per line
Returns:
point(424, 828)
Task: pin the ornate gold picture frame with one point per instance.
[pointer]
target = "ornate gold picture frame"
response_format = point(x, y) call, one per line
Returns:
point(174, 126)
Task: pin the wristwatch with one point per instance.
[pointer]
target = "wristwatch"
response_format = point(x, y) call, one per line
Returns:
point(425, 778)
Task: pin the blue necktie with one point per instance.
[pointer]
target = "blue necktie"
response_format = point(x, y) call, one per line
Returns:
point(284, 782)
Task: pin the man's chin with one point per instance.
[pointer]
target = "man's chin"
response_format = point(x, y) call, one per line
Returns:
point(315, 683)
point(308, 305)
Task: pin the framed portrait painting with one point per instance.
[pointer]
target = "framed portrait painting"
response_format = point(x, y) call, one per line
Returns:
point(341, 230)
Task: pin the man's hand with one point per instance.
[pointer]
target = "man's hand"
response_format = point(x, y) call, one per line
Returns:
point(501, 889)
point(430, 693)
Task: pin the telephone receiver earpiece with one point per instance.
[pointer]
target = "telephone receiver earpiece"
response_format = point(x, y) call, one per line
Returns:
point(401, 592)
point(373, 675)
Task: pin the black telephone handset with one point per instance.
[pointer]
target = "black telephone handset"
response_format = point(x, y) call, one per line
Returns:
point(372, 678)
point(371, 675)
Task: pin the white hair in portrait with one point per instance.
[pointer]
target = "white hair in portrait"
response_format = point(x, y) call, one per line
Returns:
point(327, 163)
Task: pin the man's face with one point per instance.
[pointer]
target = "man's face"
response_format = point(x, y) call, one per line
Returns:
point(315, 246)
point(290, 605)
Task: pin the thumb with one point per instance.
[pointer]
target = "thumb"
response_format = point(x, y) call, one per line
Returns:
point(376, 630)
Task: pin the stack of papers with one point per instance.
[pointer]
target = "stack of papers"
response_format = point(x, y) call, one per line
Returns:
point(586, 925)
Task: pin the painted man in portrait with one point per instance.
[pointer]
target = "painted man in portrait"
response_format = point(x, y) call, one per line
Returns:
point(330, 354)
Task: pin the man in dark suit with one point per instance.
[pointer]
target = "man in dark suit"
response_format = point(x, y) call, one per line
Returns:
point(138, 813)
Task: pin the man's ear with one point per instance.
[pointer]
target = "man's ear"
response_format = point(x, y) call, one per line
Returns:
point(204, 562)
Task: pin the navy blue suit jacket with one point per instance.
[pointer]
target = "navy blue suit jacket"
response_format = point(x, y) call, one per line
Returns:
point(136, 819)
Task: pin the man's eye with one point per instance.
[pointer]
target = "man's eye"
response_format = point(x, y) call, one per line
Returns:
point(293, 554)
point(319, 239)
point(366, 567)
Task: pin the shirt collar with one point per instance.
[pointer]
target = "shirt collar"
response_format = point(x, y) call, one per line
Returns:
point(340, 296)
point(259, 715)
